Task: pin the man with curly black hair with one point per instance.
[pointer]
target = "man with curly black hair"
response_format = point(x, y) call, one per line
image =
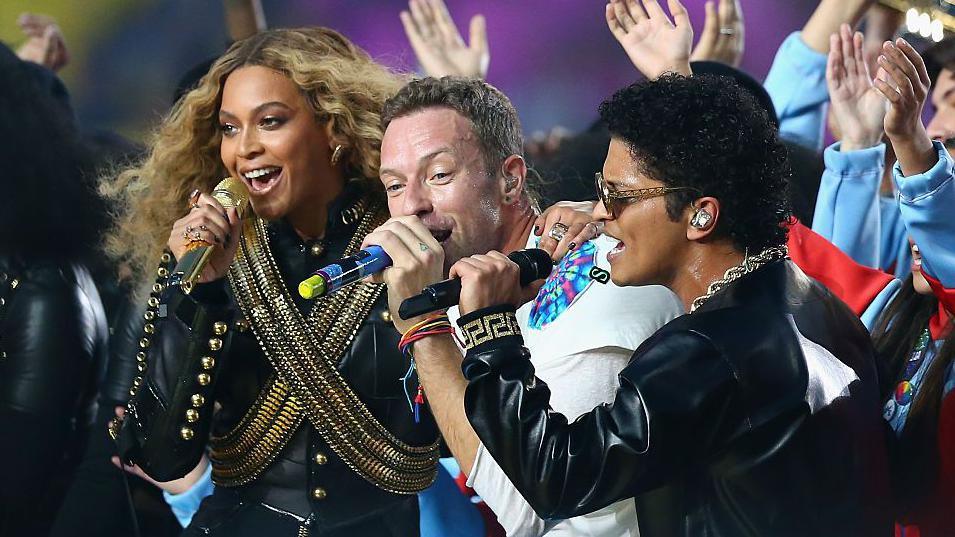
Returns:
point(755, 414)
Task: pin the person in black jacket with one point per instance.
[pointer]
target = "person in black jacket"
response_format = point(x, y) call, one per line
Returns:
point(755, 414)
point(52, 325)
point(300, 405)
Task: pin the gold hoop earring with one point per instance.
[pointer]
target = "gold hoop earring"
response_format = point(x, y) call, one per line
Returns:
point(336, 154)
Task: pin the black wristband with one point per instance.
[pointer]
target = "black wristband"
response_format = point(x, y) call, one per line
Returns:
point(489, 328)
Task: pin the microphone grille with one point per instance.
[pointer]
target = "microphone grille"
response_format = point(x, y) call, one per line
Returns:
point(534, 262)
point(231, 192)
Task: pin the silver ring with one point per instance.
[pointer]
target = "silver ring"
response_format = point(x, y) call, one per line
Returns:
point(598, 227)
point(557, 231)
point(727, 31)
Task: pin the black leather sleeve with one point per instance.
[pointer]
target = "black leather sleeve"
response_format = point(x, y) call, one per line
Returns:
point(182, 347)
point(676, 403)
point(48, 340)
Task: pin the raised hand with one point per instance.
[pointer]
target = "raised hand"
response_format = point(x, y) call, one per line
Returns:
point(45, 44)
point(723, 34)
point(906, 86)
point(857, 106)
point(438, 45)
point(654, 44)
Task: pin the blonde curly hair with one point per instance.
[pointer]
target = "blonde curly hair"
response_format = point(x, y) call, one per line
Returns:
point(341, 83)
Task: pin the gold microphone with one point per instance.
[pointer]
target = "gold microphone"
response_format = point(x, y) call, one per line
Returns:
point(230, 193)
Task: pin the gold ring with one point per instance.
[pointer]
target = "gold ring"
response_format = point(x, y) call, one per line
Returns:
point(196, 235)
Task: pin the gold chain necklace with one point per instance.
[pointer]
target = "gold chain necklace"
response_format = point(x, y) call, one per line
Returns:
point(303, 363)
point(749, 264)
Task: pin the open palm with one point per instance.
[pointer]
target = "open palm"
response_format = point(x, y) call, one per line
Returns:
point(654, 44)
point(438, 45)
point(858, 107)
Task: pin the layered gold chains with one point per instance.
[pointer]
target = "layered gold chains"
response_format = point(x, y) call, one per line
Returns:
point(749, 264)
point(304, 354)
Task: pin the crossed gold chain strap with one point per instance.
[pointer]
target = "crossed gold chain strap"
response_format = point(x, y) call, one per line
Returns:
point(308, 384)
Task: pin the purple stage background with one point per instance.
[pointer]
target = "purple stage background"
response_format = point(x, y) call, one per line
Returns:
point(554, 58)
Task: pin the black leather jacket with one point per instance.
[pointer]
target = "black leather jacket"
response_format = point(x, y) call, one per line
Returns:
point(52, 351)
point(372, 365)
point(757, 415)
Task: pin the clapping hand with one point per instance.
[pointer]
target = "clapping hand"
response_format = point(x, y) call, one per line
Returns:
point(654, 44)
point(722, 39)
point(857, 106)
point(906, 87)
point(438, 45)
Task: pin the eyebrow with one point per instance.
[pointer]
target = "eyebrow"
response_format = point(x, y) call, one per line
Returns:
point(258, 109)
point(421, 161)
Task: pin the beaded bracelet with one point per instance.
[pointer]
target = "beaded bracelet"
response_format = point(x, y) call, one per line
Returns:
point(432, 326)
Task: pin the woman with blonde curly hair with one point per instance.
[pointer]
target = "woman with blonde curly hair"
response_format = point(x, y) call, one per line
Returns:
point(298, 405)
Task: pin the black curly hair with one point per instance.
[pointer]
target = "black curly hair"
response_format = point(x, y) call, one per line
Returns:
point(708, 133)
point(49, 208)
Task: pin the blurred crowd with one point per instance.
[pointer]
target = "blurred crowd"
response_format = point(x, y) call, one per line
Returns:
point(864, 112)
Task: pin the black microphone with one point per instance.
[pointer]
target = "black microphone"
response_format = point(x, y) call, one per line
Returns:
point(535, 264)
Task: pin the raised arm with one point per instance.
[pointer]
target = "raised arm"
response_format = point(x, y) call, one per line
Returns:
point(438, 45)
point(723, 38)
point(847, 207)
point(925, 173)
point(654, 43)
point(797, 79)
point(828, 17)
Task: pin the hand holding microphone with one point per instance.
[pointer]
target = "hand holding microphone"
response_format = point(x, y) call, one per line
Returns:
point(403, 254)
point(204, 241)
point(492, 279)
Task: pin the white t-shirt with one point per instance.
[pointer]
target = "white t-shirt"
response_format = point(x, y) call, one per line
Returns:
point(579, 355)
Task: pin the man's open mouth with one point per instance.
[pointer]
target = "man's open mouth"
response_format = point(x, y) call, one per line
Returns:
point(440, 235)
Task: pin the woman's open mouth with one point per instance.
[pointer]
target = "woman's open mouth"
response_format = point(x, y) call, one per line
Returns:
point(262, 180)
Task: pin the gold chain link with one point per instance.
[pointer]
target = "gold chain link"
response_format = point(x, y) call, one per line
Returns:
point(302, 351)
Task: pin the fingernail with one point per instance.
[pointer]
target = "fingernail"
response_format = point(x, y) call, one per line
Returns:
point(194, 194)
point(537, 230)
point(572, 245)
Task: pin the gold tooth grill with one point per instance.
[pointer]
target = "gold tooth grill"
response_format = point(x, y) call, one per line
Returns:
point(335, 411)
